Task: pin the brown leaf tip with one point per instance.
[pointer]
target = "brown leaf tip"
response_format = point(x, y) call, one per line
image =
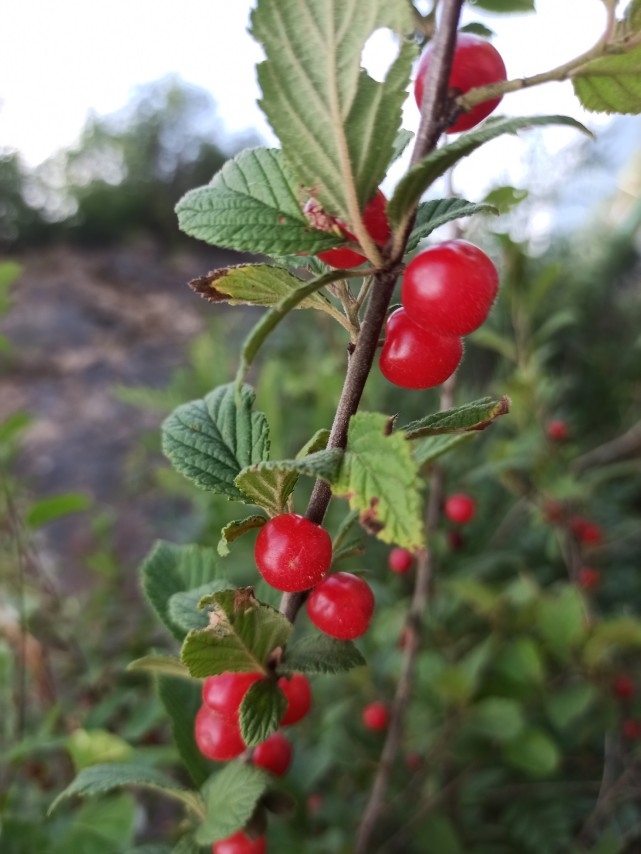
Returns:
point(204, 285)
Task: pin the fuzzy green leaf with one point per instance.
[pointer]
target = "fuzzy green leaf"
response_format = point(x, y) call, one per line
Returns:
point(210, 441)
point(270, 484)
point(181, 699)
point(321, 654)
point(412, 186)
point(233, 530)
point(98, 779)
point(433, 214)
point(379, 478)
point(252, 205)
point(507, 7)
point(336, 124)
point(611, 84)
point(432, 447)
point(170, 569)
point(240, 637)
point(470, 416)
point(230, 799)
point(167, 665)
point(261, 711)
point(49, 509)
point(253, 284)
point(183, 606)
point(496, 718)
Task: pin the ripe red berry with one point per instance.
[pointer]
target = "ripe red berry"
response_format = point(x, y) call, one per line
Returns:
point(274, 754)
point(413, 357)
point(460, 508)
point(450, 288)
point(588, 578)
point(557, 430)
point(298, 692)
point(293, 553)
point(631, 729)
point(341, 606)
point(239, 843)
point(585, 531)
point(224, 693)
point(376, 716)
point(375, 221)
point(623, 687)
point(476, 63)
point(400, 560)
point(217, 738)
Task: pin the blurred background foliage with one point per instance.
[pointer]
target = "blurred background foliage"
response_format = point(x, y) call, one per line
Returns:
point(514, 713)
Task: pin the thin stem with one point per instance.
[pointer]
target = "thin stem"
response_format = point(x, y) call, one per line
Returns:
point(360, 361)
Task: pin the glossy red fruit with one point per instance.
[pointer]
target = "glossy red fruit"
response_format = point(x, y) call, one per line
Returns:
point(224, 693)
point(377, 225)
point(557, 430)
point(217, 738)
point(588, 578)
point(476, 63)
point(413, 357)
point(623, 687)
point(298, 692)
point(631, 729)
point(274, 754)
point(292, 553)
point(239, 843)
point(376, 716)
point(460, 508)
point(341, 606)
point(450, 288)
point(400, 560)
point(585, 531)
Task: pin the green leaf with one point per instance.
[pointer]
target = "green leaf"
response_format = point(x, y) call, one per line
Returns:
point(533, 752)
point(496, 718)
point(253, 205)
point(100, 828)
point(505, 198)
point(240, 638)
point(261, 711)
point(477, 29)
point(561, 621)
point(270, 484)
point(12, 427)
point(233, 530)
point(183, 607)
point(95, 747)
point(170, 569)
point(431, 448)
point(99, 779)
point(210, 441)
point(521, 664)
point(412, 186)
point(611, 84)
point(49, 509)
point(492, 340)
point(378, 476)
point(321, 654)
point(167, 665)
point(610, 637)
point(230, 799)
point(471, 416)
point(254, 284)
point(181, 699)
point(632, 16)
point(403, 139)
point(508, 7)
point(568, 704)
point(433, 214)
point(337, 126)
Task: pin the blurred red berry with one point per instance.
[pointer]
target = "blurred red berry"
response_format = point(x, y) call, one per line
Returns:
point(376, 716)
point(623, 687)
point(400, 560)
point(455, 540)
point(585, 531)
point(553, 511)
point(631, 729)
point(557, 430)
point(298, 692)
point(588, 578)
point(274, 754)
point(239, 843)
point(460, 508)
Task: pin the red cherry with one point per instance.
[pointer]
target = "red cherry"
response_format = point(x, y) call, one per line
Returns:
point(274, 754)
point(299, 697)
point(224, 693)
point(217, 738)
point(631, 729)
point(623, 687)
point(341, 606)
point(450, 288)
point(557, 430)
point(293, 553)
point(585, 531)
point(588, 578)
point(476, 63)
point(376, 716)
point(460, 508)
point(400, 560)
point(240, 844)
point(417, 358)
point(377, 225)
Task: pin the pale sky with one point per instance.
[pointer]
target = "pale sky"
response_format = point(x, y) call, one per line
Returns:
point(59, 60)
